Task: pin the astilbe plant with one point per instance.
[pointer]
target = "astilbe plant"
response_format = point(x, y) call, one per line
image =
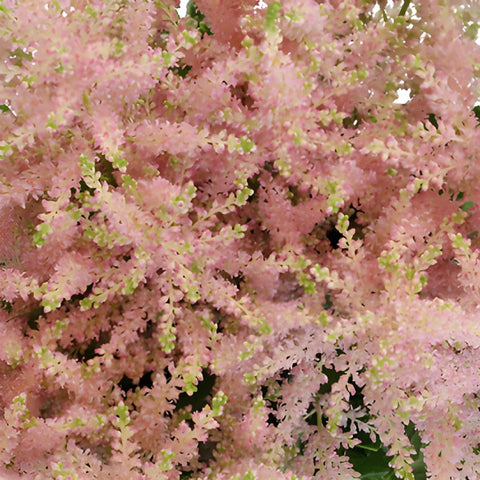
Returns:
point(227, 250)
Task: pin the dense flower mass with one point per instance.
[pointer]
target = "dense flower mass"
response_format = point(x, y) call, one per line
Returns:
point(229, 250)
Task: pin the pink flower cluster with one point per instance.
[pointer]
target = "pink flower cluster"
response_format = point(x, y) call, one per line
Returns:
point(232, 252)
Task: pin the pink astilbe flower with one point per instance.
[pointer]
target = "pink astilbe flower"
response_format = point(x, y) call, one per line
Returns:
point(228, 250)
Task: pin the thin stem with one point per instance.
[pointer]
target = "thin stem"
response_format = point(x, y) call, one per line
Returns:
point(404, 8)
point(385, 18)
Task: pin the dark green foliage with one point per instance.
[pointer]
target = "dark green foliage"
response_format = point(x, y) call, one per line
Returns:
point(466, 206)
point(105, 167)
point(127, 384)
point(7, 306)
point(371, 459)
point(476, 111)
point(196, 402)
point(19, 55)
point(353, 121)
point(85, 188)
point(33, 316)
point(181, 70)
point(433, 119)
point(194, 13)
point(328, 302)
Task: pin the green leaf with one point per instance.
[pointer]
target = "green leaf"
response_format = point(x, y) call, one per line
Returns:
point(86, 303)
point(19, 55)
point(165, 463)
point(246, 144)
point(90, 11)
point(271, 16)
point(39, 237)
point(119, 162)
point(218, 401)
point(264, 328)
point(249, 378)
point(128, 182)
point(472, 31)
point(121, 411)
point(3, 8)
point(243, 195)
point(466, 206)
point(60, 68)
point(370, 459)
